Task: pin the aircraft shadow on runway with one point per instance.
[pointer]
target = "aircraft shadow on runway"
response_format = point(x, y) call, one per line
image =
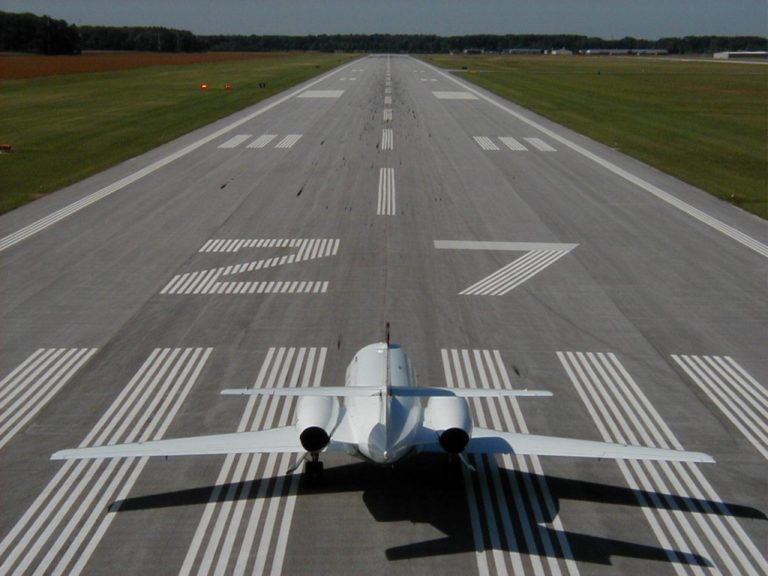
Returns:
point(430, 490)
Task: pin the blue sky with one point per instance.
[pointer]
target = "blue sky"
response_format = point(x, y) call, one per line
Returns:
point(606, 18)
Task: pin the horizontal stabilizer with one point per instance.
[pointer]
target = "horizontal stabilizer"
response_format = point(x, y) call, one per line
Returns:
point(315, 391)
point(486, 441)
point(464, 392)
point(264, 441)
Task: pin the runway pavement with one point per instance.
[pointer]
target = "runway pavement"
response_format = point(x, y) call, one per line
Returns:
point(265, 249)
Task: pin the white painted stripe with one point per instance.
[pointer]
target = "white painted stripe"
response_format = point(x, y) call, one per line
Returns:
point(388, 100)
point(443, 95)
point(743, 405)
point(539, 144)
point(514, 274)
point(145, 402)
point(485, 369)
point(485, 143)
point(208, 281)
point(601, 378)
point(387, 114)
point(512, 144)
point(43, 223)
point(387, 139)
point(699, 215)
point(262, 141)
point(288, 141)
point(321, 94)
point(185, 380)
point(29, 370)
point(235, 141)
point(581, 377)
point(503, 246)
point(512, 281)
point(285, 371)
point(38, 393)
point(386, 198)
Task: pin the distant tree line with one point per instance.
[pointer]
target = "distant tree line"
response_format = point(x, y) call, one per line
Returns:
point(42, 34)
point(423, 43)
point(139, 38)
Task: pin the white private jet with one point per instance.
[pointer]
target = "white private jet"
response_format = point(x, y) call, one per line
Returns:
point(382, 420)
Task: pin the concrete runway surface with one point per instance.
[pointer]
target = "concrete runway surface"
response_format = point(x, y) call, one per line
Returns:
point(266, 248)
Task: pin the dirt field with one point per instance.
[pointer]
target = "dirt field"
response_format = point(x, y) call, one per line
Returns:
point(13, 66)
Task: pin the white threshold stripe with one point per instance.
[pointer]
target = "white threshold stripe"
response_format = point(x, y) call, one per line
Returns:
point(24, 393)
point(699, 215)
point(262, 141)
point(485, 143)
point(288, 141)
point(739, 396)
point(41, 224)
point(216, 539)
point(703, 525)
point(539, 144)
point(235, 141)
point(59, 524)
point(512, 144)
point(533, 509)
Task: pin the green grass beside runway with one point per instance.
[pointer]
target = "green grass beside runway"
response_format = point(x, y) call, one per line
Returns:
point(703, 122)
point(65, 128)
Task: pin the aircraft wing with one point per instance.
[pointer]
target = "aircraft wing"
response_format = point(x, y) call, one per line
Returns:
point(486, 441)
point(276, 440)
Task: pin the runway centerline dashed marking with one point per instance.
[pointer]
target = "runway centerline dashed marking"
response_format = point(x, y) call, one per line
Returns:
point(387, 139)
point(28, 388)
point(388, 100)
point(520, 485)
point(386, 205)
point(61, 529)
point(235, 534)
point(540, 255)
point(387, 114)
point(690, 520)
point(742, 399)
point(213, 280)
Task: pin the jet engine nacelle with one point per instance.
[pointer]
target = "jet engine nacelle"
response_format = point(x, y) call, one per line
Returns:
point(450, 417)
point(316, 418)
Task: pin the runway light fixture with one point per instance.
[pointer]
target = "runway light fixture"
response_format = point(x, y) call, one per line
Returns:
point(227, 86)
point(204, 86)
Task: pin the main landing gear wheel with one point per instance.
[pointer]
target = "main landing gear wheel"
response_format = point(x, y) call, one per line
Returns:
point(313, 470)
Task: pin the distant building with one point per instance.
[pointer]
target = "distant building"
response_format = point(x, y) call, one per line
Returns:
point(625, 52)
point(522, 51)
point(561, 52)
point(744, 54)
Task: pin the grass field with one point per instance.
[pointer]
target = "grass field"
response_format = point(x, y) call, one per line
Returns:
point(703, 122)
point(65, 127)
